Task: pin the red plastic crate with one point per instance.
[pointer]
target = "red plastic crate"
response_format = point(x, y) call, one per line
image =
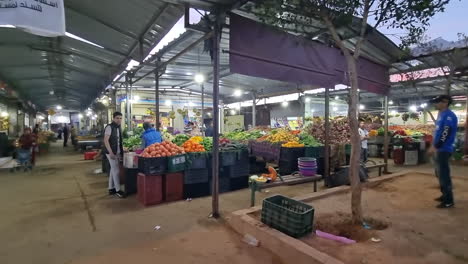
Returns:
point(174, 186)
point(150, 189)
point(90, 155)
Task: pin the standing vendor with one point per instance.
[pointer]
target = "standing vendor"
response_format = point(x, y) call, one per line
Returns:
point(150, 136)
point(442, 147)
point(364, 135)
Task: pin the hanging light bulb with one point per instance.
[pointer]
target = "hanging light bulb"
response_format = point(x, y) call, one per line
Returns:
point(362, 107)
point(285, 104)
point(307, 100)
point(237, 93)
point(199, 78)
point(168, 102)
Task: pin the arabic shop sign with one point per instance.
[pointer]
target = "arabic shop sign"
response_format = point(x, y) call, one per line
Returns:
point(39, 17)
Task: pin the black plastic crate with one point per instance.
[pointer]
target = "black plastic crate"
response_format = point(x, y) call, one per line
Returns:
point(224, 185)
point(291, 154)
point(196, 190)
point(238, 170)
point(289, 216)
point(239, 183)
point(197, 160)
point(227, 158)
point(152, 166)
point(196, 176)
point(131, 181)
point(287, 167)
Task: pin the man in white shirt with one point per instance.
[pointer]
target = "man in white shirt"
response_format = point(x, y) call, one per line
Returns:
point(364, 134)
point(114, 152)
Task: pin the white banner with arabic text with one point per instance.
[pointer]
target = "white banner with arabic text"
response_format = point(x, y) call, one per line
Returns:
point(40, 17)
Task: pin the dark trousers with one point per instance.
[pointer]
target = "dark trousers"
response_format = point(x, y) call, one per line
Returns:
point(443, 173)
point(364, 154)
point(65, 140)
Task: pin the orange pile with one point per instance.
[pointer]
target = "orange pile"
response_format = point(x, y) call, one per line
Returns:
point(193, 146)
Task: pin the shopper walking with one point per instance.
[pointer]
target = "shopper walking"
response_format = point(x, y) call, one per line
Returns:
point(66, 135)
point(442, 147)
point(114, 152)
point(150, 136)
point(364, 134)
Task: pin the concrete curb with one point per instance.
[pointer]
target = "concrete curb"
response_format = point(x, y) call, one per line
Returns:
point(288, 248)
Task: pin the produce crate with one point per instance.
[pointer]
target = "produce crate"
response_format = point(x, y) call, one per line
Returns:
point(196, 176)
point(173, 186)
point(131, 181)
point(197, 160)
point(238, 170)
point(224, 185)
point(150, 191)
point(90, 155)
point(152, 166)
point(411, 157)
point(287, 167)
point(314, 152)
point(291, 154)
point(227, 158)
point(239, 183)
point(348, 149)
point(176, 163)
point(196, 190)
point(289, 216)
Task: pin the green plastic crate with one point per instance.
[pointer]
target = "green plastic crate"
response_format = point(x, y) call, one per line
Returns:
point(348, 149)
point(176, 163)
point(289, 216)
point(314, 152)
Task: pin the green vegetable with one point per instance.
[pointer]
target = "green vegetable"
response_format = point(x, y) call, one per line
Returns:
point(207, 143)
point(309, 140)
point(381, 131)
point(132, 143)
point(243, 135)
point(180, 139)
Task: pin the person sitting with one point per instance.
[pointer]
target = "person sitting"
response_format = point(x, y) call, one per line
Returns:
point(150, 136)
point(26, 141)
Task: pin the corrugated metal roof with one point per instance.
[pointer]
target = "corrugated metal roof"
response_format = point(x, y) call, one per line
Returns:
point(76, 71)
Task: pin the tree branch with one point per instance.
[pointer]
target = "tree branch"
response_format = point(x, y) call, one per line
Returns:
point(360, 42)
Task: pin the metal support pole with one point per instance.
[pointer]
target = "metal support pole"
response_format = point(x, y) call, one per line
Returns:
point(466, 125)
point(254, 110)
point(130, 128)
point(156, 89)
point(215, 162)
point(386, 138)
point(326, 163)
point(203, 109)
point(127, 103)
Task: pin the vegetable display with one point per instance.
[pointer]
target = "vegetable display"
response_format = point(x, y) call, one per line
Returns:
point(167, 136)
point(282, 135)
point(132, 143)
point(193, 145)
point(309, 140)
point(243, 135)
point(207, 143)
point(339, 130)
point(373, 133)
point(293, 144)
point(180, 139)
point(163, 149)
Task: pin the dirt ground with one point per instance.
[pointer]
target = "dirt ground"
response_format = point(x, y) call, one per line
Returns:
point(60, 214)
point(417, 232)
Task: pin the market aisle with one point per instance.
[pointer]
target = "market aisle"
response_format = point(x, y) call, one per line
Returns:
point(60, 213)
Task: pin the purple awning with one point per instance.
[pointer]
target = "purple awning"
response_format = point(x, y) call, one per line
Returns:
point(261, 51)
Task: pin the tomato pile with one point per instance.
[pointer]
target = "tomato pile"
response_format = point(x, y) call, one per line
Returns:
point(163, 149)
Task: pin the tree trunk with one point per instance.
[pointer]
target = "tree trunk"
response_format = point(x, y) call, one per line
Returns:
point(356, 188)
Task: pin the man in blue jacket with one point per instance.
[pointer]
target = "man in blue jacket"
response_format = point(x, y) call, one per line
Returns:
point(150, 136)
point(444, 139)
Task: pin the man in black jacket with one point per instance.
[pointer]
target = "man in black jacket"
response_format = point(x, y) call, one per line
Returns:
point(114, 152)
